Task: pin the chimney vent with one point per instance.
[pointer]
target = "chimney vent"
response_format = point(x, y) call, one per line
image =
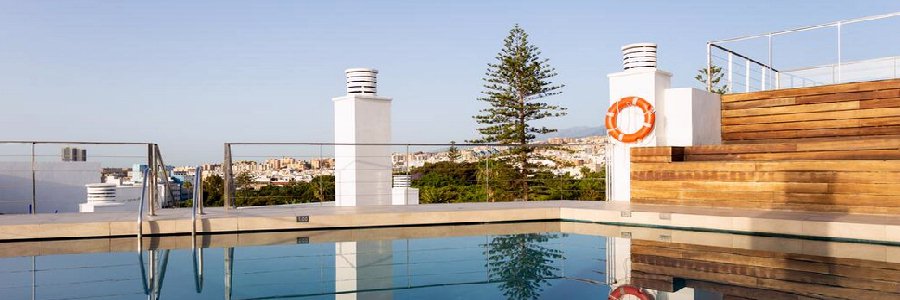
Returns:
point(361, 81)
point(639, 55)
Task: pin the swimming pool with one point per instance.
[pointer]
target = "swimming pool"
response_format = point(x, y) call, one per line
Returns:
point(508, 261)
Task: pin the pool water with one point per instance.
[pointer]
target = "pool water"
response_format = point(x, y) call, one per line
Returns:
point(509, 261)
point(520, 266)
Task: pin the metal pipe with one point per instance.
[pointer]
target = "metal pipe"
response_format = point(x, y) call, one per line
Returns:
point(33, 183)
point(140, 219)
point(198, 189)
point(730, 71)
point(229, 180)
point(746, 75)
point(150, 179)
point(709, 67)
point(838, 52)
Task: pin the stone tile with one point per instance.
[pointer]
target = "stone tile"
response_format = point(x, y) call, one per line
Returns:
point(270, 223)
point(844, 230)
point(700, 221)
point(703, 238)
point(892, 233)
point(767, 225)
point(23, 231)
point(123, 228)
point(86, 229)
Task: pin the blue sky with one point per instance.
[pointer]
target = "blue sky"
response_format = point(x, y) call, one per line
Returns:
point(191, 75)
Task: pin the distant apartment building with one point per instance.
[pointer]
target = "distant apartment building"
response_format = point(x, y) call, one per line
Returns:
point(74, 154)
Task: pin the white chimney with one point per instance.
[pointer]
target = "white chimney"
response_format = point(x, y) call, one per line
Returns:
point(362, 172)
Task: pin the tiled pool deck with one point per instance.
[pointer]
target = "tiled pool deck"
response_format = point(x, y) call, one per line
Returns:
point(869, 228)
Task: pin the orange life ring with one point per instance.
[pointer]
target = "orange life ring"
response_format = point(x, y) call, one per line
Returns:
point(617, 293)
point(612, 127)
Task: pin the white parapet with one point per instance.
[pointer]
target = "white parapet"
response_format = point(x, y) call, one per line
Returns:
point(362, 172)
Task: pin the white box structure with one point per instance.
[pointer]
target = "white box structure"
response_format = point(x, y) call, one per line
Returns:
point(684, 116)
point(362, 172)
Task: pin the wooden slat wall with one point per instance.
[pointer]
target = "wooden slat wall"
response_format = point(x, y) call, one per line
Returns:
point(754, 274)
point(745, 177)
point(832, 112)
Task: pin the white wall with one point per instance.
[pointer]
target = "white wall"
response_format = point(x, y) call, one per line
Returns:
point(60, 186)
point(362, 173)
point(690, 117)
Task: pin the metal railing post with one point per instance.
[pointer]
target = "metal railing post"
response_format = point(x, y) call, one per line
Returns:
point(140, 219)
point(33, 182)
point(839, 52)
point(730, 70)
point(746, 75)
point(709, 67)
point(229, 179)
point(198, 189)
point(150, 179)
point(762, 78)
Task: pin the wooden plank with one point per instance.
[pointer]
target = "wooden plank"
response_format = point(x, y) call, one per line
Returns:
point(651, 159)
point(883, 94)
point(759, 103)
point(813, 133)
point(864, 143)
point(782, 93)
point(892, 154)
point(881, 210)
point(739, 148)
point(877, 103)
point(814, 116)
point(776, 187)
point(804, 125)
point(792, 109)
point(855, 144)
point(817, 90)
point(835, 97)
point(808, 140)
point(803, 176)
point(655, 151)
point(800, 165)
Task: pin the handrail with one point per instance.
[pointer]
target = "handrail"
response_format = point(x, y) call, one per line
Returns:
point(805, 28)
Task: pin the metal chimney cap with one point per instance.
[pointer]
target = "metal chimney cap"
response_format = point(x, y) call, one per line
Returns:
point(639, 55)
point(362, 81)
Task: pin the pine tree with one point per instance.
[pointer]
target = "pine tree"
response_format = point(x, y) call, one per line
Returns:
point(453, 153)
point(717, 75)
point(514, 86)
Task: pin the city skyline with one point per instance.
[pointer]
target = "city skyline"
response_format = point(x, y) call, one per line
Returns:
point(191, 76)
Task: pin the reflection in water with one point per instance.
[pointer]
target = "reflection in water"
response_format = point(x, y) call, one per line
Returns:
point(499, 266)
point(522, 263)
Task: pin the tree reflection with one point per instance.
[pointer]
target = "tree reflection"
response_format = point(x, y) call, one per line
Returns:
point(522, 264)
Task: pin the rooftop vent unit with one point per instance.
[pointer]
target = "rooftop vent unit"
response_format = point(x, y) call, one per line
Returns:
point(361, 81)
point(639, 55)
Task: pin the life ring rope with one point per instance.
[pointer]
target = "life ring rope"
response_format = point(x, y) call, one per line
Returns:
point(612, 116)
